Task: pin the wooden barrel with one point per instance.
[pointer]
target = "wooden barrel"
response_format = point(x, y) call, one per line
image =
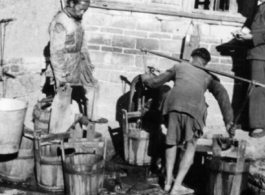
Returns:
point(222, 175)
point(49, 171)
point(18, 167)
point(84, 174)
point(41, 116)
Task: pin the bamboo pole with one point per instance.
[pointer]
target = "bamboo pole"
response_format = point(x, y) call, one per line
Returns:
point(206, 69)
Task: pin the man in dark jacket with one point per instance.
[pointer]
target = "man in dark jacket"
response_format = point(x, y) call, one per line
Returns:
point(184, 111)
point(256, 57)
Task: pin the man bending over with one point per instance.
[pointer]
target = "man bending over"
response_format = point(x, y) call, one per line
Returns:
point(184, 111)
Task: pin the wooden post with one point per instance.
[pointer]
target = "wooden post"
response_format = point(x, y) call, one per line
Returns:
point(62, 115)
point(90, 131)
point(233, 7)
point(78, 128)
point(236, 185)
point(191, 42)
point(215, 162)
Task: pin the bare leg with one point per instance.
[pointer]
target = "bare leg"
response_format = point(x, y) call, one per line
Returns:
point(184, 166)
point(171, 153)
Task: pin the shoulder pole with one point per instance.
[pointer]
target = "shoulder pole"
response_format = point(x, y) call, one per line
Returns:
point(206, 69)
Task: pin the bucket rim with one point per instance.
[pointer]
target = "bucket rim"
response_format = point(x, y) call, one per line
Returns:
point(21, 105)
point(78, 153)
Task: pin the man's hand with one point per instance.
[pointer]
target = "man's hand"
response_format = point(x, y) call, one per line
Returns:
point(242, 35)
point(230, 128)
point(245, 37)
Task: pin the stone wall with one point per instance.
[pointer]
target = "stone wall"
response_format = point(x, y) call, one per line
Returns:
point(115, 38)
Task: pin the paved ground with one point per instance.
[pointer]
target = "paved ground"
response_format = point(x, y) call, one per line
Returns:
point(196, 179)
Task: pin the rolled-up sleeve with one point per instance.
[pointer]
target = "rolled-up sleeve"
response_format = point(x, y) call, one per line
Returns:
point(259, 38)
point(221, 95)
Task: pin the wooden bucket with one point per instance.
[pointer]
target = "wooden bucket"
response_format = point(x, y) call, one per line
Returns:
point(41, 116)
point(18, 167)
point(49, 171)
point(84, 171)
point(228, 176)
point(138, 143)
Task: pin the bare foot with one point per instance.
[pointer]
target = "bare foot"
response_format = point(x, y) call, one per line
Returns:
point(181, 190)
point(167, 187)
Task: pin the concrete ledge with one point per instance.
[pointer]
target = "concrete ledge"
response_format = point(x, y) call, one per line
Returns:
point(143, 8)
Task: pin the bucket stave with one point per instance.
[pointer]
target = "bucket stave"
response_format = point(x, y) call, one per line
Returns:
point(18, 167)
point(12, 116)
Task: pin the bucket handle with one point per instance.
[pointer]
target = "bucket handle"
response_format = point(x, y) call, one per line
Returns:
point(83, 145)
point(48, 139)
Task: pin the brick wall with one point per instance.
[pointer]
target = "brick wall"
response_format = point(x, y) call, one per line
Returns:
point(114, 39)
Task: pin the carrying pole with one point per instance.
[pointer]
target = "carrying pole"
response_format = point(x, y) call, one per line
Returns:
point(2, 59)
point(206, 69)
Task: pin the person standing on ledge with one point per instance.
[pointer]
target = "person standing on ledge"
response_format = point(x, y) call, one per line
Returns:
point(256, 56)
point(184, 111)
point(69, 56)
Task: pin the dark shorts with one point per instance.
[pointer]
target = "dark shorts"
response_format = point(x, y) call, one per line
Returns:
point(181, 127)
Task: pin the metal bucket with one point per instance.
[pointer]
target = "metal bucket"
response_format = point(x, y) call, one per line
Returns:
point(12, 116)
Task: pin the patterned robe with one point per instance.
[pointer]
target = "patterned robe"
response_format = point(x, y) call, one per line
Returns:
point(69, 57)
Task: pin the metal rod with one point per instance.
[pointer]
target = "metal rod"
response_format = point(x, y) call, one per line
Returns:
point(1, 60)
point(206, 69)
point(2, 63)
